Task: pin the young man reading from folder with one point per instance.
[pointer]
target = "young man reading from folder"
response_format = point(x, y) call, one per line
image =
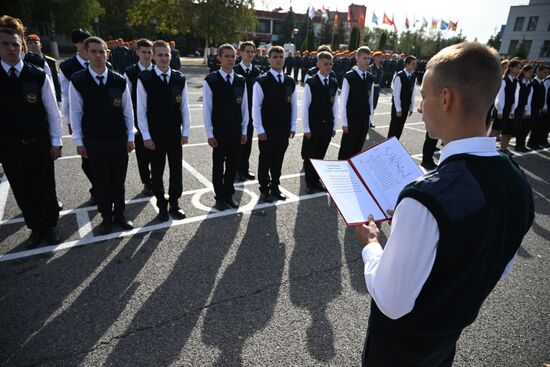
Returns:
point(455, 231)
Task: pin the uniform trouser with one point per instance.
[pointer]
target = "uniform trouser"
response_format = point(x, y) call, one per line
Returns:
point(225, 158)
point(352, 142)
point(523, 127)
point(87, 169)
point(375, 97)
point(246, 149)
point(143, 158)
point(167, 148)
point(296, 73)
point(541, 126)
point(30, 172)
point(109, 162)
point(387, 80)
point(315, 148)
point(397, 123)
point(304, 73)
point(428, 149)
point(272, 154)
point(288, 70)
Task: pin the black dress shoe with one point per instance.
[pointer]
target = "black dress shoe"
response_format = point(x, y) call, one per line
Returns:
point(124, 223)
point(278, 195)
point(265, 197)
point(240, 177)
point(105, 227)
point(91, 202)
point(321, 187)
point(230, 202)
point(310, 189)
point(429, 166)
point(534, 146)
point(50, 236)
point(249, 176)
point(521, 149)
point(545, 145)
point(34, 239)
point(59, 205)
point(163, 215)
point(177, 213)
point(147, 190)
point(220, 205)
point(372, 125)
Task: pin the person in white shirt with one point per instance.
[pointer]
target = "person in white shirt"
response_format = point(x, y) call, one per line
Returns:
point(102, 120)
point(455, 232)
point(402, 97)
point(523, 109)
point(225, 115)
point(506, 102)
point(539, 109)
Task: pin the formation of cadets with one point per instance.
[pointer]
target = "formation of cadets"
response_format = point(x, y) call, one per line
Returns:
point(112, 108)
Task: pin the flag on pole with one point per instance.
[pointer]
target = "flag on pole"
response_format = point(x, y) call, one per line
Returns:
point(336, 18)
point(349, 15)
point(386, 20)
point(407, 24)
point(434, 23)
point(444, 25)
point(311, 12)
point(424, 22)
point(374, 19)
point(453, 26)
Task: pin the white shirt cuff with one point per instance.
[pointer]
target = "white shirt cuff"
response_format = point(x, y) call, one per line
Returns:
point(57, 142)
point(371, 251)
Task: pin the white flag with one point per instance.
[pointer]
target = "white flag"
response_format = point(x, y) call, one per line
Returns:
point(311, 12)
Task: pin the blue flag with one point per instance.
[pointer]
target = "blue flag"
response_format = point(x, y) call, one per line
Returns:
point(374, 19)
point(444, 25)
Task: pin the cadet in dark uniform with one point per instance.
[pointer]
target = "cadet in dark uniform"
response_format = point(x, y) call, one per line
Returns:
point(505, 105)
point(377, 71)
point(175, 62)
point(274, 112)
point(225, 113)
point(539, 108)
point(68, 68)
point(250, 73)
point(30, 138)
point(297, 65)
point(164, 121)
point(319, 113)
point(37, 58)
point(523, 110)
point(403, 97)
point(144, 50)
point(357, 105)
point(103, 130)
point(120, 56)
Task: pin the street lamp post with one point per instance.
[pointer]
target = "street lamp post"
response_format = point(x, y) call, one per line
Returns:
point(96, 21)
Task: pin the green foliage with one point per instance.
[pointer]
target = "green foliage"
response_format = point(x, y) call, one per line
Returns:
point(326, 32)
point(288, 26)
point(494, 41)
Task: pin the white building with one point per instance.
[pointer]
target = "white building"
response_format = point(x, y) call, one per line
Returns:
point(528, 30)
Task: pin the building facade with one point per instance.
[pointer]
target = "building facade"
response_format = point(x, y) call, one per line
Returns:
point(527, 31)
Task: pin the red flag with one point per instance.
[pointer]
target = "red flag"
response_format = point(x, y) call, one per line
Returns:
point(407, 24)
point(362, 18)
point(336, 18)
point(386, 20)
point(453, 26)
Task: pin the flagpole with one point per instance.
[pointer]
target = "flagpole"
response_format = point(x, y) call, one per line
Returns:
point(307, 30)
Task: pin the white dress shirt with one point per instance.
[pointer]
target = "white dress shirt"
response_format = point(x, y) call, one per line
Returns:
point(141, 68)
point(344, 94)
point(47, 68)
point(258, 98)
point(243, 65)
point(306, 101)
point(207, 105)
point(50, 104)
point(64, 83)
point(141, 101)
point(395, 275)
point(397, 92)
point(546, 84)
point(500, 100)
point(77, 109)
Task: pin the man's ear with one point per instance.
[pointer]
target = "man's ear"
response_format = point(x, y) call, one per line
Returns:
point(446, 99)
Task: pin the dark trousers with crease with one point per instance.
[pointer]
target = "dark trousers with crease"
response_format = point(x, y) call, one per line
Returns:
point(428, 149)
point(398, 123)
point(246, 149)
point(167, 148)
point(143, 158)
point(225, 158)
point(30, 172)
point(272, 154)
point(108, 160)
point(352, 142)
point(315, 148)
point(541, 127)
point(87, 169)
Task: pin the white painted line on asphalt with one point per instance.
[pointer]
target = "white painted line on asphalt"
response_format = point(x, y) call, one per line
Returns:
point(84, 224)
point(287, 193)
point(170, 223)
point(4, 190)
point(197, 174)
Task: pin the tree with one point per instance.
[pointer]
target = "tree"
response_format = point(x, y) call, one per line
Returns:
point(383, 40)
point(326, 32)
point(288, 26)
point(339, 35)
point(114, 23)
point(354, 39)
point(163, 16)
point(494, 41)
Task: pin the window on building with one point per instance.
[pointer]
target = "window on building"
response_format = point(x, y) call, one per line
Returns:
point(532, 25)
point(545, 49)
point(278, 27)
point(512, 48)
point(264, 26)
point(518, 27)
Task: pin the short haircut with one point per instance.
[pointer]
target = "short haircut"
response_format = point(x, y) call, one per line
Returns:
point(324, 48)
point(94, 39)
point(363, 50)
point(275, 50)
point(246, 44)
point(144, 42)
point(160, 44)
point(409, 59)
point(324, 55)
point(79, 35)
point(16, 24)
point(225, 46)
point(470, 69)
point(542, 67)
point(10, 32)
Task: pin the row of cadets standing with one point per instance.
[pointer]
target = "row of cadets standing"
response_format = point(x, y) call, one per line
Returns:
point(37, 58)
point(225, 114)
point(356, 105)
point(164, 122)
point(30, 138)
point(505, 105)
point(144, 51)
point(102, 121)
point(540, 117)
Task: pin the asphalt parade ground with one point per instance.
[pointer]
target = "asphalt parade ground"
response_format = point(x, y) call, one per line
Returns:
point(269, 284)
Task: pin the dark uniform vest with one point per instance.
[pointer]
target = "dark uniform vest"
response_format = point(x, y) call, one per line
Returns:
point(524, 91)
point(509, 95)
point(23, 113)
point(226, 105)
point(322, 99)
point(70, 66)
point(164, 104)
point(103, 116)
point(466, 191)
point(407, 87)
point(377, 73)
point(132, 72)
point(537, 101)
point(40, 61)
point(277, 104)
point(358, 105)
point(250, 80)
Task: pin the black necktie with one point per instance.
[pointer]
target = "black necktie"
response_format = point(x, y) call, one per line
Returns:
point(247, 70)
point(363, 75)
point(13, 74)
point(86, 64)
point(279, 77)
point(100, 78)
point(165, 77)
point(228, 79)
point(326, 82)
